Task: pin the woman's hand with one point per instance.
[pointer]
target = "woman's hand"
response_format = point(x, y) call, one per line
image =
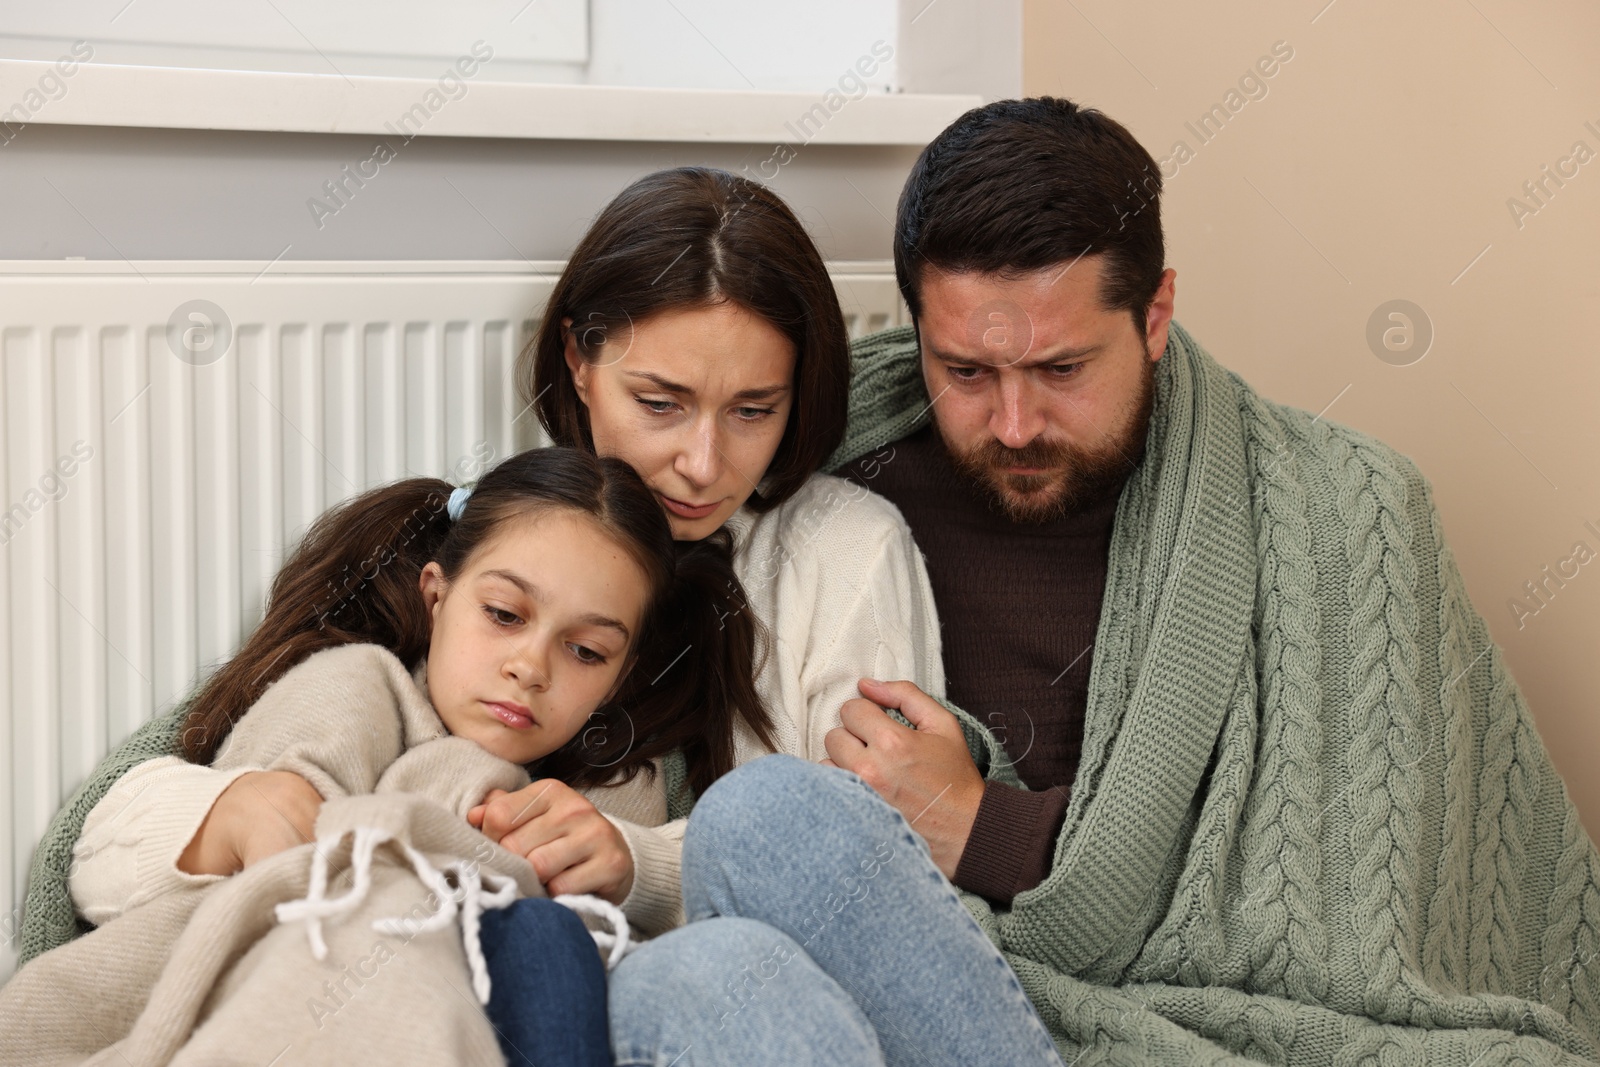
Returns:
point(260, 814)
point(572, 847)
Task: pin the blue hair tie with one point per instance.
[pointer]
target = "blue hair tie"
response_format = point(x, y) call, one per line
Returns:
point(458, 502)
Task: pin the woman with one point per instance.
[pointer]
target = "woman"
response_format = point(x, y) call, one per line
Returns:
point(694, 334)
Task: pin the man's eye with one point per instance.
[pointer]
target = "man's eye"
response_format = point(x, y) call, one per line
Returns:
point(965, 374)
point(1064, 370)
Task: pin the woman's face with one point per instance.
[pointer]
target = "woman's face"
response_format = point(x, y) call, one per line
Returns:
point(534, 634)
point(696, 401)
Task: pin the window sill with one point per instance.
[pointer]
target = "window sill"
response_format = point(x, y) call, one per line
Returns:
point(99, 94)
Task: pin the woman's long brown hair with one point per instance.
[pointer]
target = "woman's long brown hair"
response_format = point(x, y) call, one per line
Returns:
point(697, 237)
point(354, 578)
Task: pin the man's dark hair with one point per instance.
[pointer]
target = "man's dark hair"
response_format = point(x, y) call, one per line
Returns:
point(1020, 185)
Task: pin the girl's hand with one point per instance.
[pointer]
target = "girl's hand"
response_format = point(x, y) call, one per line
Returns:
point(260, 814)
point(572, 847)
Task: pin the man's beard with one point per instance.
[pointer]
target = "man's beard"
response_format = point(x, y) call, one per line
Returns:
point(1070, 477)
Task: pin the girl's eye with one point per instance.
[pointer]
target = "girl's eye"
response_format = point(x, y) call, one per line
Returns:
point(586, 655)
point(501, 617)
point(656, 407)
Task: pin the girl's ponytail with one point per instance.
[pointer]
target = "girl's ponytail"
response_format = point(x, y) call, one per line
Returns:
point(353, 578)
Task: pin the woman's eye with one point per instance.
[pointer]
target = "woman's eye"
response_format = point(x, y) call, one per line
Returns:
point(656, 407)
point(753, 413)
point(501, 617)
point(586, 655)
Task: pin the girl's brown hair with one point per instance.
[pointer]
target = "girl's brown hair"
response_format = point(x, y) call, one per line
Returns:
point(354, 578)
point(697, 237)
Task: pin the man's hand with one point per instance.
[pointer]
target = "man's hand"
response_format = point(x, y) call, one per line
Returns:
point(260, 814)
point(572, 847)
point(927, 772)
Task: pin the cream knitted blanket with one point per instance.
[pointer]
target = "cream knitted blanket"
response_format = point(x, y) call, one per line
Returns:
point(358, 948)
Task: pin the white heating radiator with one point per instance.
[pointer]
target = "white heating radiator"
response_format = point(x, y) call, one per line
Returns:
point(146, 500)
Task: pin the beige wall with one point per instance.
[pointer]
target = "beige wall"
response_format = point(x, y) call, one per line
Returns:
point(1377, 167)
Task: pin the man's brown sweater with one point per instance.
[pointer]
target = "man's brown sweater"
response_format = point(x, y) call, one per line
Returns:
point(1018, 606)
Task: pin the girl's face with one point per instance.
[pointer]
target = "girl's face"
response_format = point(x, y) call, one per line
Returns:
point(696, 401)
point(535, 633)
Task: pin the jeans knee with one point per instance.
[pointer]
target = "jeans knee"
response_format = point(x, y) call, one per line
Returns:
point(695, 960)
point(726, 983)
point(756, 807)
point(763, 795)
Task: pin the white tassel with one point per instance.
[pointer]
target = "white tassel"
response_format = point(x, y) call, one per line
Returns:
point(615, 944)
point(475, 890)
point(469, 893)
point(472, 880)
point(316, 906)
point(434, 880)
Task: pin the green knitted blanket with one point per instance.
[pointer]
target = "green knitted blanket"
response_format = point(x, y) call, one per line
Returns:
point(1313, 822)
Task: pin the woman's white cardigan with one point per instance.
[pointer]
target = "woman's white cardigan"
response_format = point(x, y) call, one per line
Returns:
point(834, 577)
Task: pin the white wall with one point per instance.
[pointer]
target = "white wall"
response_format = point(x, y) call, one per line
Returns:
point(938, 45)
point(961, 46)
point(703, 44)
point(546, 40)
point(736, 44)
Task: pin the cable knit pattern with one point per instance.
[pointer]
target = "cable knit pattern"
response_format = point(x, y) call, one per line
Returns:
point(1314, 823)
point(1445, 950)
point(1566, 912)
point(1282, 854)
point(1497, 848)
point(1382, 756)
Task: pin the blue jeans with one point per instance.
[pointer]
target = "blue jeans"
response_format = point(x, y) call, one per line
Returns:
point(547, 995)
point(820, 932)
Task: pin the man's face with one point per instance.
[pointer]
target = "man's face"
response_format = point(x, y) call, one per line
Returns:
point(1041, 395)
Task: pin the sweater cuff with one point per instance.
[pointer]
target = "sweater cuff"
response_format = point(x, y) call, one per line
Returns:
point(186, 797)
point(655, 903)
point(128, 850)
point(1012, 842)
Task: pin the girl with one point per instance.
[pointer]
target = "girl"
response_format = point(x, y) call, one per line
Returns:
point(548, 617)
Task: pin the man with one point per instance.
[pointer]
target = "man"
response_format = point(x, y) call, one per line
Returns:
point(1275, 794)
